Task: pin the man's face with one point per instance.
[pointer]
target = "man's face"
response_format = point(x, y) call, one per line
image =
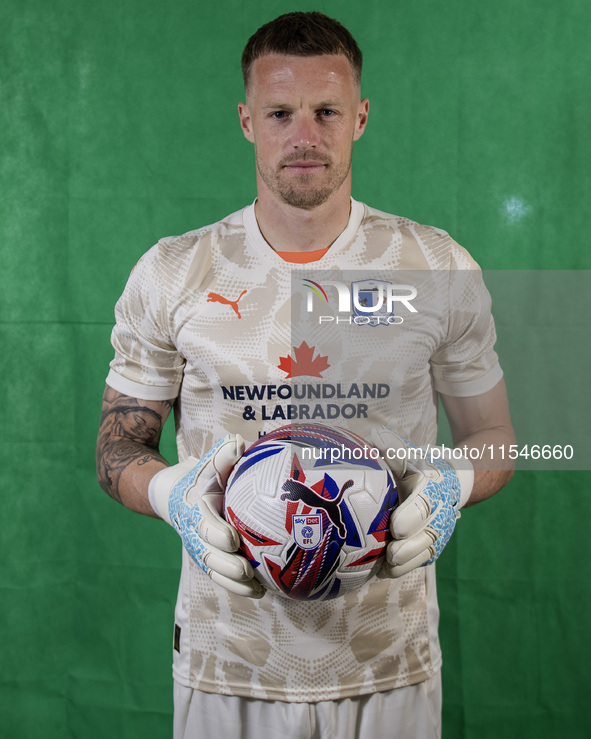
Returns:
point(303, 114)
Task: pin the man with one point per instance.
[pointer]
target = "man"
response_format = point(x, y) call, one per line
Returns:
point(204, 326)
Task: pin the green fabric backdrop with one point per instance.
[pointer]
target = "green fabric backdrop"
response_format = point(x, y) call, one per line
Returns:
point(118, 126)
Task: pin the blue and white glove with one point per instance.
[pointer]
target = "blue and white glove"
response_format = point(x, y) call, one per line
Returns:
point(190, 497)
point(431, 492)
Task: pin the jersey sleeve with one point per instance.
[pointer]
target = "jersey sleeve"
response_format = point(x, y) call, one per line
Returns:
point(466, 364)
point(147, 364)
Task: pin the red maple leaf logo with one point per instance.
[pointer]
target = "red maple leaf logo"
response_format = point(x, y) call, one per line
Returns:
point(303, 362)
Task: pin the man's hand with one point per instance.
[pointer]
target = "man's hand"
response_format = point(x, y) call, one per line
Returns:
point(189, 496)
point(431, 492)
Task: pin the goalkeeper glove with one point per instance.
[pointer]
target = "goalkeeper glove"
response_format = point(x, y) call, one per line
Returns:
point(190, 497)
point(431, 492)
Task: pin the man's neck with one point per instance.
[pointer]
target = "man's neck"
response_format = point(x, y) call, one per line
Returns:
point(286, 228)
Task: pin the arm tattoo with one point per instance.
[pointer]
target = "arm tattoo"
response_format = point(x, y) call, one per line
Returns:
point(129, 434)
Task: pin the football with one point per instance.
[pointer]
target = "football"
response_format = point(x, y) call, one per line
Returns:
point(312, 506)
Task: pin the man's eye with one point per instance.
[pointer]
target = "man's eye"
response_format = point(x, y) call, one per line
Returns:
point(327, 113)
point(279, 114)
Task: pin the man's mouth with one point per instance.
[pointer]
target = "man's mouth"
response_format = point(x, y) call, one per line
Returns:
point(304, 166)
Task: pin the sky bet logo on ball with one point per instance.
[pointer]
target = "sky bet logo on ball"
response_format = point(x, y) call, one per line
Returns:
point(365, 302)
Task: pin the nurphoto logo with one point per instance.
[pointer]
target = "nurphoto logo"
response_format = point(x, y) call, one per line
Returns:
point(365, 302)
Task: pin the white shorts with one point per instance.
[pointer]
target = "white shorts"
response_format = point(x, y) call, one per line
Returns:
point(412, 712)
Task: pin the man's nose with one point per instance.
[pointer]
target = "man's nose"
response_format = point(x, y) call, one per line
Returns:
point(305, 135)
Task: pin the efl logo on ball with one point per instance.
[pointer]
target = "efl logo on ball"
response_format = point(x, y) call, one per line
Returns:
point(307, 531)
point(312, 505)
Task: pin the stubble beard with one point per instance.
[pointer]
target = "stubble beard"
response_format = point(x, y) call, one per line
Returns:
point(300, 191)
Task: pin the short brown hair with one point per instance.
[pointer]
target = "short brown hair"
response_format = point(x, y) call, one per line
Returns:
point(301, 34)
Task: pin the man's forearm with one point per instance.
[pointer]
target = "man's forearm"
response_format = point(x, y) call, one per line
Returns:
point(125, 470)
point(481, 427)
point(127, 453)
point(492, 468)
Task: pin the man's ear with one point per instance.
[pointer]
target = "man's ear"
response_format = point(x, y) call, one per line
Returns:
point(245, 122)
point(362, 114)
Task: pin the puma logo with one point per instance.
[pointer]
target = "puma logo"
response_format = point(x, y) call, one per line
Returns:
point(215, 298)
point(298, 491)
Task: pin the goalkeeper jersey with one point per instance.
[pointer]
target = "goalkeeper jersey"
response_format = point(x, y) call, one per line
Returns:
point(247, 342)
